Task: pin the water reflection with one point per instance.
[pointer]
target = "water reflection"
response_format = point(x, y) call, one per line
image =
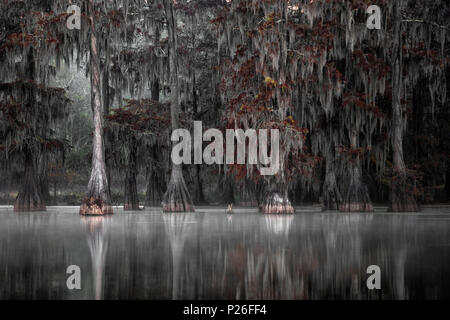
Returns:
point(268, 272)
point(151, 255)
point(401, 240)
point(278, 224)
point(178, 227)
point(342, 255)
point(95, 228)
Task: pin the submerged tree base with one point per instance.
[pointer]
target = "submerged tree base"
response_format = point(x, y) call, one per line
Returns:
point(95, 207)
point(28, 199)
point(331, 199)
point(356, 207)
point(178, 207)
point(357, 200)
point(177, 198)
point(22, 207)
point(330, 205)
point(276, 204)
point(402, 199)
point(404, 207)
point(403, 202)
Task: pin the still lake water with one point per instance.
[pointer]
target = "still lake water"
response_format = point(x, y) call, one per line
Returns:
point(210, 255)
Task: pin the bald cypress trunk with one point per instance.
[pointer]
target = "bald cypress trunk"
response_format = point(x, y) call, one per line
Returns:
point(401, 199)
point(277, 203)
point(276, 200)
point(155, 188)
point(177, 197)
point(156, 180)
point(225, 191)
point(357, 198)
point(29, 197)
point(331, 196)
point(199, 196)
point(97, 201)
point(44, 189)
point(106, 106)
point(130, 190)
point(130, 185)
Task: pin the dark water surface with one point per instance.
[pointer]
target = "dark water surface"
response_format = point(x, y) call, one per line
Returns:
point(209, 255)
